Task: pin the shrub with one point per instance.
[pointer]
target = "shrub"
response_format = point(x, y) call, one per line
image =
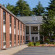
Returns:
point(30, 44)
point(54, 43)
point(47, 40)
point(37, 44)
point(51, 42)
point(41, 42)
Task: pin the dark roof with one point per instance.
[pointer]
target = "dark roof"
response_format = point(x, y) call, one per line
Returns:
point(31, 19)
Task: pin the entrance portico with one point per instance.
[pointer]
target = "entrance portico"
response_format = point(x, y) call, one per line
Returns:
point(33, 25)
point(32, 32)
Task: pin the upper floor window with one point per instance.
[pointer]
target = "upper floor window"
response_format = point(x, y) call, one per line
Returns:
point(14, 23)
point(27, 29)
point(35, 28)
point(4, 17)
point(10, 20)
point(18, 24)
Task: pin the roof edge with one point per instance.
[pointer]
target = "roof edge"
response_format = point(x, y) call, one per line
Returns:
point(9, 12)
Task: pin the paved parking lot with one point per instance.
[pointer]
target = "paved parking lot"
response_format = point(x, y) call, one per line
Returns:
point(37, 51)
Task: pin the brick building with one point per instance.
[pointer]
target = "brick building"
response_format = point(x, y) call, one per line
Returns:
point(12, 30)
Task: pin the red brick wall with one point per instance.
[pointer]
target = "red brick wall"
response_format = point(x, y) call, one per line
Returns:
point(16, 32)
point(12, 31)
point(1, 14)
point(7, 30)
point(0, 28)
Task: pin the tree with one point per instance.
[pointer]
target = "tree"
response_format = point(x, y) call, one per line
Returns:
point(21, 8)
point(39, 9)
point(24, 9)
point(51, 7)
point(49, 21)
point(10, 8)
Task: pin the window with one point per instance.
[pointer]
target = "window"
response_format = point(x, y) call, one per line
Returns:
point(21, 26)
point(36, 39)
point(18, 37)
point(33, 39)
point(4, 17)
point(18, 24)
point(15, 39)
point(35, 28)
point(14, 23)
point(10, 20)
point(26, 37)
point(10, 39)
point(21, 37)
point(27, 29)
point(4, 38)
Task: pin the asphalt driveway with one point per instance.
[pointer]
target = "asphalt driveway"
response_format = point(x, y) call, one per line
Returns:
point(37, 51)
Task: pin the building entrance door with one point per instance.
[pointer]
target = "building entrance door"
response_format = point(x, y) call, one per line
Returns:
point(36, 39)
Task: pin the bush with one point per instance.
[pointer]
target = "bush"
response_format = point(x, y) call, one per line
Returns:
point(51, 43)
point(30, 44)
point(54, 43)
point(47, 40)
point(41, 42)
point(37, 44)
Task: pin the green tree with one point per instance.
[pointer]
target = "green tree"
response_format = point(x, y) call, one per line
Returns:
point(24, 9)
point(10, 8)
point(39, 9)
point(49, 21)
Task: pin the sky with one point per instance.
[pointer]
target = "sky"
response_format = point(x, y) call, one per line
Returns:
point(32, 3)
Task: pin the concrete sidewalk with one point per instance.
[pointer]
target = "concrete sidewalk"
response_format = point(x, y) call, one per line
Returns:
point(11, 51)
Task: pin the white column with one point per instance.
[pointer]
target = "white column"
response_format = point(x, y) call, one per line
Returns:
point(38, 32)
point(30, 32)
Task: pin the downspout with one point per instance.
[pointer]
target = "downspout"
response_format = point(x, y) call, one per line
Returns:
point(1, 28)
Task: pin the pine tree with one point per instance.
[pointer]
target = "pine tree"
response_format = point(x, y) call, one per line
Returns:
point(49, 21)
point(39, 9)
point(51, 8)
point(24, 9)
point(10, 8)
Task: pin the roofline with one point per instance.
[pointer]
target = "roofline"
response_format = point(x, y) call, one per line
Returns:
point(31, 16)
point(34, 23)
point(10, 12)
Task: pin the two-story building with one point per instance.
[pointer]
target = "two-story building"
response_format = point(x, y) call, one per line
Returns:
point(12, 30)
point(32, 27)
point(15, 31)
